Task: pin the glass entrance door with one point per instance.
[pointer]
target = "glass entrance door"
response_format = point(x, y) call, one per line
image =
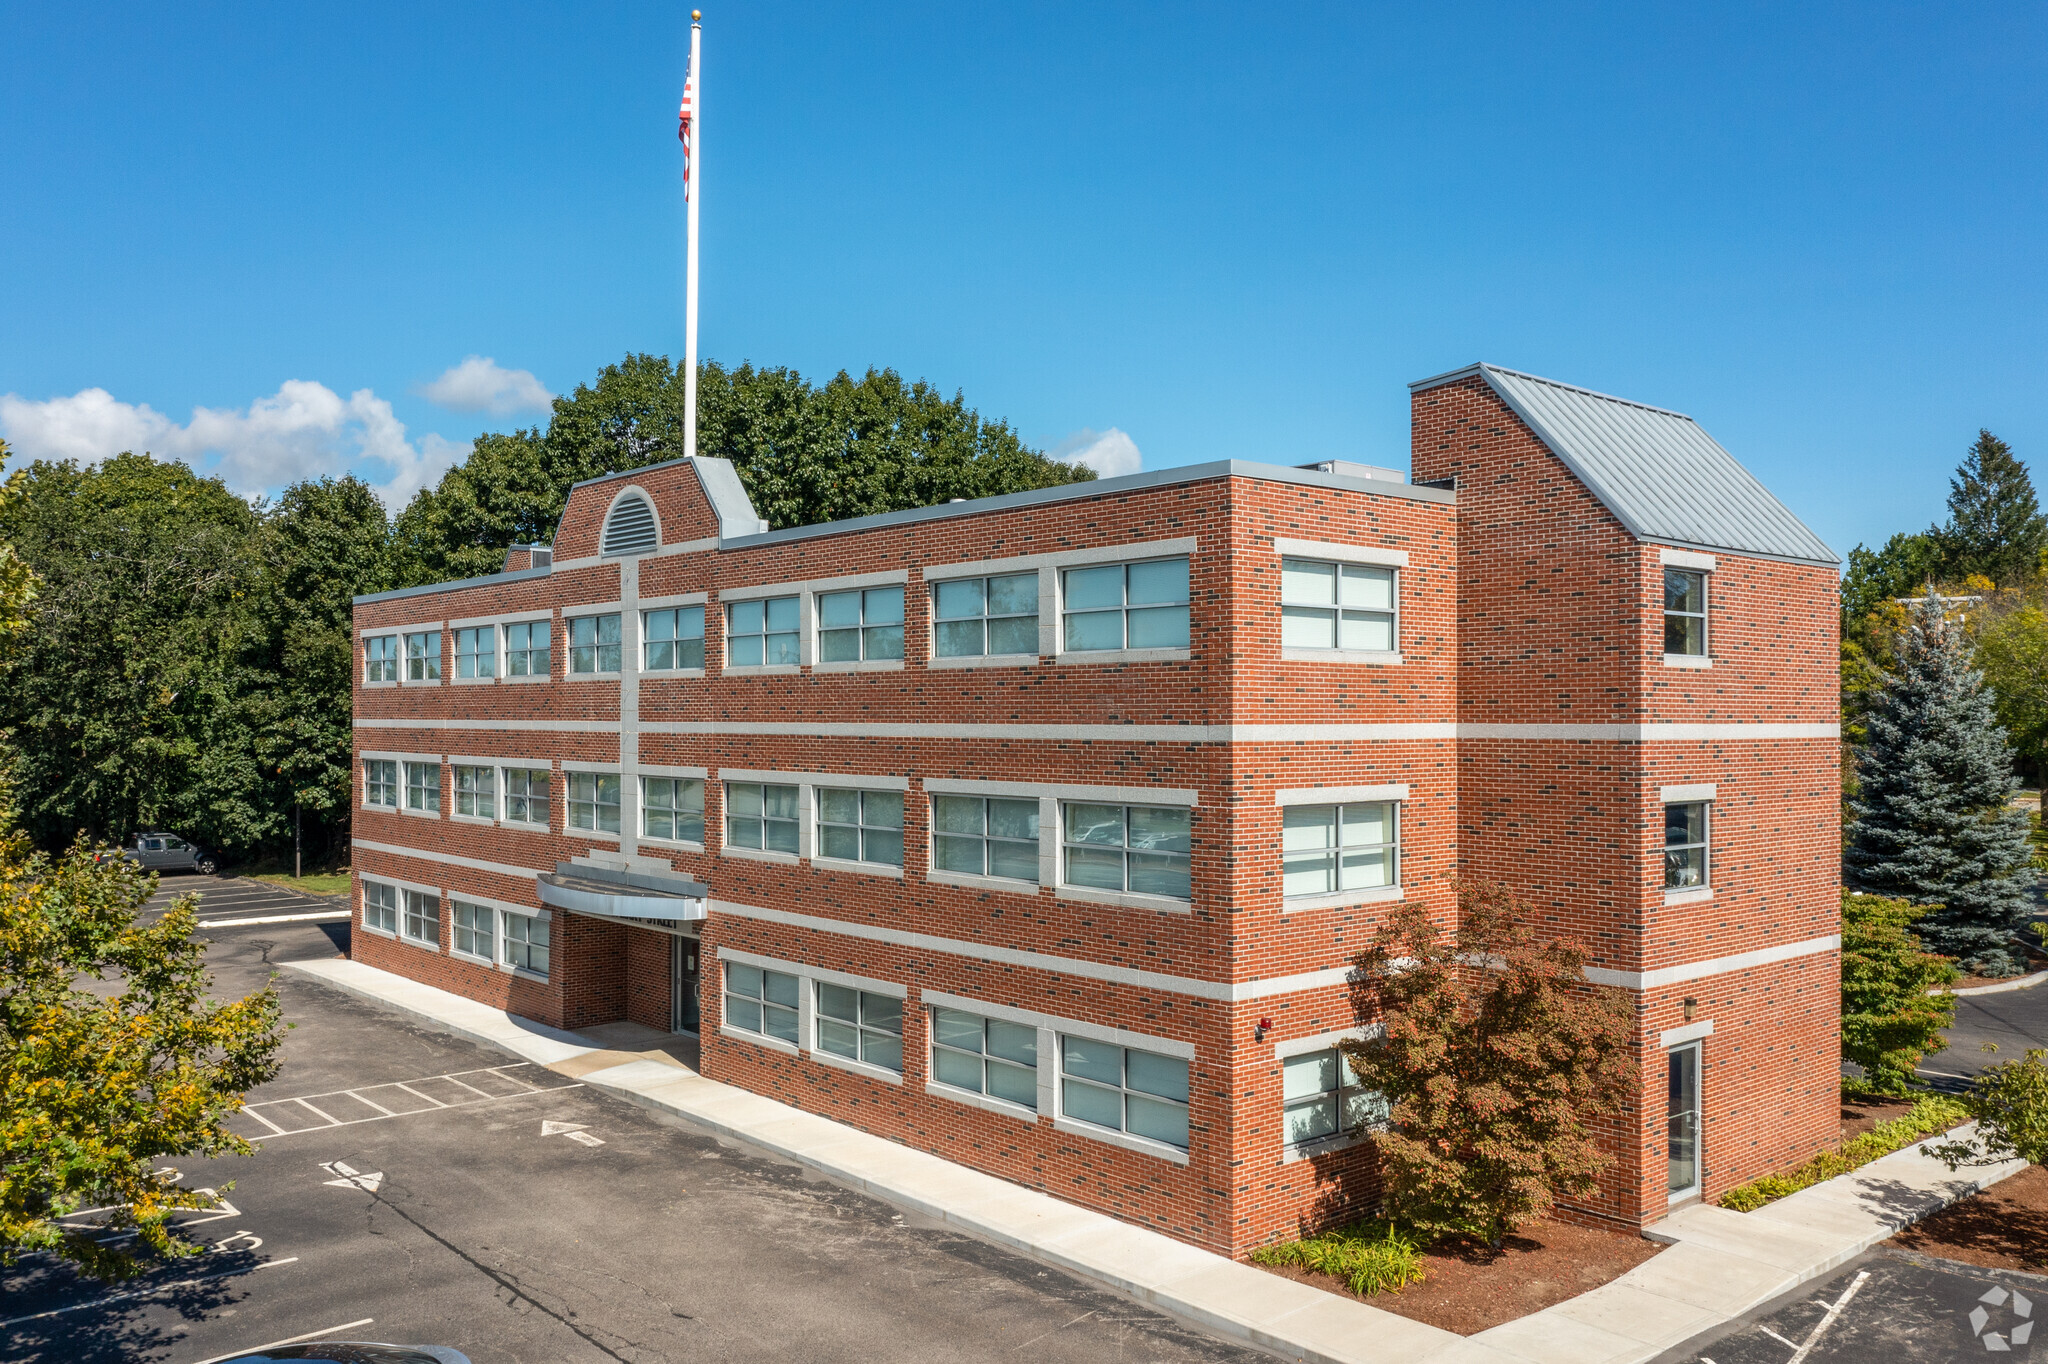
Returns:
point(682, 992)
point(1682, 1120)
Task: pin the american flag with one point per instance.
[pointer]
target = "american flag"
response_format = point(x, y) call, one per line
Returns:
point(683, 134)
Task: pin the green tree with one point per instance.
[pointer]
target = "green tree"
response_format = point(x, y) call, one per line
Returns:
point(1995, 526)
point(1876, 578)
point(1931, 820)
point(2010, 1103)
point(1494, 1073)
point(1889, 1020)
point(2012, 650)
point(97, 1089)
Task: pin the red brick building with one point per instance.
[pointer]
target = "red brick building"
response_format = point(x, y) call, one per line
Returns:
point(1039, 831)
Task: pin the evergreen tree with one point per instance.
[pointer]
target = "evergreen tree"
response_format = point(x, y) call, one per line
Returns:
point(1933, 823)
point(1995, 526)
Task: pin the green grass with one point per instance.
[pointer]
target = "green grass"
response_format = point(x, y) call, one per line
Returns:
point(1370, 1257)
point(1936, 1113)
point(319, 883)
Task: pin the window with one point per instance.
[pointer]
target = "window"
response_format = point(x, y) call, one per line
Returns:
point(526, 943)
point(672, 807)
point(672, 639)
point(1125, 1090)
point(861, 826)
point(594, 644)
point(473, 929)
point(758, 816)
point(476, 651)
point(526, 795)
point(1323, 1099)
point(380, 659)
point(763, 1002)
point(1336, 606)
point(985, 1056)
point(423, 657)
point(594, 801)
point(1127, 606)
point(1685, 611)
point(973, 616)
point(422, 919)
point(1682, 1119)
point(423, 787)
point(861, 1026)
point(380, 782)
point(761, 632)
point(1138, 848)
point(985, 836)
point(860, 625)
point(526, 649)
point(380, 906)
point(1328, 848)
point(476, 792)
point(1685, 846)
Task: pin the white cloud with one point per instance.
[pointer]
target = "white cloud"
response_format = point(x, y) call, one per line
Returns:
point(1108, 453)
point(480, 384)
point(304, 430)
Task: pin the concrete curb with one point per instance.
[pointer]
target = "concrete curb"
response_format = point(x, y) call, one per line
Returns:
point(2023, 983)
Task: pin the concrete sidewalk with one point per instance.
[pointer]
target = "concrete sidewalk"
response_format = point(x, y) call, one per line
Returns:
point(1718, 1265)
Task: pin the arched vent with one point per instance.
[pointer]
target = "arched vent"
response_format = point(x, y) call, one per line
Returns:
point(630, 528)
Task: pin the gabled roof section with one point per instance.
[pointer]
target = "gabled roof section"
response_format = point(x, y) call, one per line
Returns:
point(1663, 477)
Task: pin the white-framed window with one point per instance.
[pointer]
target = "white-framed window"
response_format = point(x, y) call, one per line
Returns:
point(985, 1056)
point(423, 656)
point(476, 651)
point(672, 637)
point(860, 826)
point(1685, 611)
point(527, 795)
point(526, 648)
point(672, 808)
point(1687, 826)
point(475, 929)
point(380, 906)
point(421, 920)
point(866, 623)
point(380, 658)
point(1337, 606)
point(762, 632)
point(1330, 848)
point(476, 791)
point(594, 801)
point(985, 836)
point(380, 782)
point(761, 816)
point(1323, 1100)
point(1125, 1089)
point(526, 943)
point(1125, 606)
point(1140, 849)
point(978, 616)
point(594, 644)
point(860, 1025)
point(762, 1001)
point(423, 787)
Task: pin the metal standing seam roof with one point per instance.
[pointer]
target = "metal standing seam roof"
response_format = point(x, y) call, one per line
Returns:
point(1663, 477)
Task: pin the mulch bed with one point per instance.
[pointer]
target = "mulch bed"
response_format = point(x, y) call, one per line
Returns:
point(1860, 1115)
point(2004, 1227)
point(1470, 1287)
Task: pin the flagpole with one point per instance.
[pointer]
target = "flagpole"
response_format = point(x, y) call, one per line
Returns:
point(693, 190)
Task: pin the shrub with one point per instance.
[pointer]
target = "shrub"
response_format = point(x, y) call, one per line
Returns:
point(1889, 1021)
point(2010, 1103)
point(1936, 1113)
point(1370, 1257)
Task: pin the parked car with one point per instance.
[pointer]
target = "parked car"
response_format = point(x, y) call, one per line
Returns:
point(167, 852)
point(354, 1352)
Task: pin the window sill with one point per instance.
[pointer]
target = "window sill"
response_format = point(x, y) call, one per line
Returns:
point(521, 973)
point(983, 661)
point(419, 681)
point(864, 665)
point(857, 868)
point(975, 882)
point(474, 681)
point(668, 845)
point(761, 670)
point(527, 677)
point(847, 1063)
point(369, 927)
point(758, 1039)
point(381, 809)
point(1142, 1145)
point(760, 855)
point(592, 677)
point(378, 686)
point(486, 822)
point(1382, 657)
point(1691, 895)
point(656, 674)
point(419, 814)
point(1123, 656)
point(1322, 1146)
point(1688, 661)
point(525, 826)
point(1377, 895)
point(601, 835)
point(987, 1102)
point(457, 954)
point(420, 943)
point(1124, 899)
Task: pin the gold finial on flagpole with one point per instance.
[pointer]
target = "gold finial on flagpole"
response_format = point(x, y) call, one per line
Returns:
point(695, 15)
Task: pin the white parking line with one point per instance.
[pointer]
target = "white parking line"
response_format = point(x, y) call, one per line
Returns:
point(483, 1097)
point(288, 1340)
point(371, 1102)
point(428, 1097)
point(149, 1292)
point(325, 916)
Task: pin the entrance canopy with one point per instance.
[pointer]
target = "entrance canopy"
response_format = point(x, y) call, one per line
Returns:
point(616, 893)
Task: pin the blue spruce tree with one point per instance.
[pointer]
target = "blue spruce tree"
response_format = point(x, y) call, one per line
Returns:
point(1933, 821)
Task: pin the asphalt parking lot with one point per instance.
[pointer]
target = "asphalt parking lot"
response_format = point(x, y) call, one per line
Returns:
point(519, 1216)
point(230, 900)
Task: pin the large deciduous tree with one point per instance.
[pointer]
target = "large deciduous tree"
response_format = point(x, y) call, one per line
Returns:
point(1889, 1019)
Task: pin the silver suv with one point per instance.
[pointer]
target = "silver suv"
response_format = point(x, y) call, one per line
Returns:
point(168, 852)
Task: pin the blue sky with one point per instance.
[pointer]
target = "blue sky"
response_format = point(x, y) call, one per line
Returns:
point(1221, 231)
